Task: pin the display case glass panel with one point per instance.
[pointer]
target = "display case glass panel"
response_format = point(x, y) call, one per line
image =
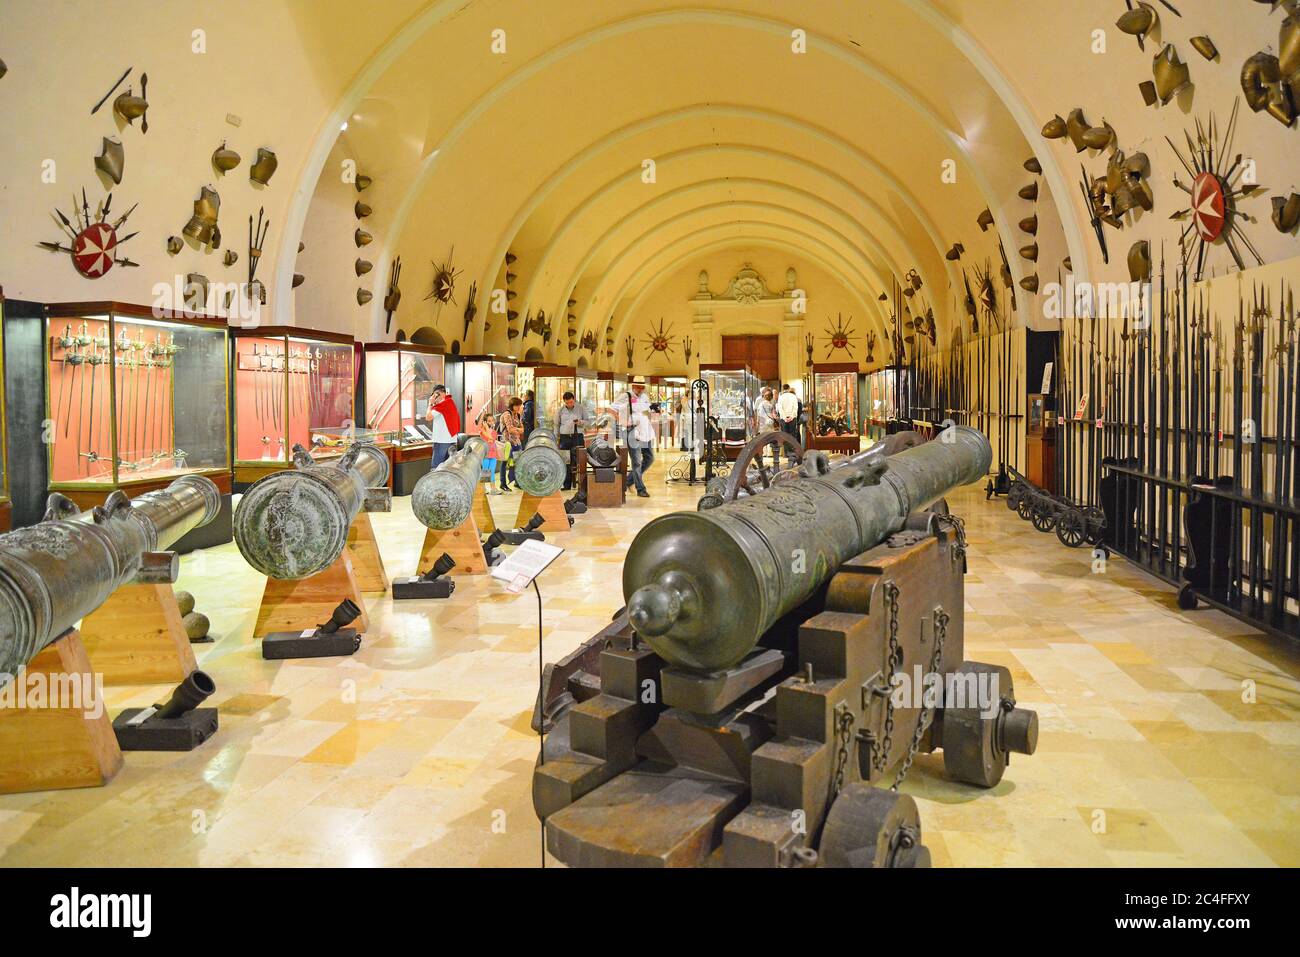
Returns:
point(550, 384)
point(668, 400)
point(292, 387)
point(399, 380)
point(489, 382)
point(733, 395)
point(132, 397)
point(835, 403)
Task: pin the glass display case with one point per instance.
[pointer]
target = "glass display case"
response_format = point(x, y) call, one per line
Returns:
point(490, 382)
point(551, 382)
point(733, 395)
point(666, 394)
point(609, 388)
point(834, 424)
point(400, 377)
point(886, 400)
point(293, 386)
point(134, 396)
point(525, 376)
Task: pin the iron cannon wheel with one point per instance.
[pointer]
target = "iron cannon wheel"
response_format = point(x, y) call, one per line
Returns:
point(775, 442)
point(971, 751)
point(872, 827)
point(1025, 508)
point(1044, 516)
point(1071, 528)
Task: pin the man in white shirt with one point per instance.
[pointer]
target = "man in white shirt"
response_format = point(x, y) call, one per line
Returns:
point(634, 415)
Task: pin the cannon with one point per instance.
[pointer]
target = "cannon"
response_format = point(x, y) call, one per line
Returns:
point(540, 468)
point(294, 524)
point(746, 478)
point(782, 656)
point(702, 586)
point(54, 573)
point(443, 497)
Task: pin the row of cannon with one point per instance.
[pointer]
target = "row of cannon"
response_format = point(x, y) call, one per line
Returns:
point(289, 525)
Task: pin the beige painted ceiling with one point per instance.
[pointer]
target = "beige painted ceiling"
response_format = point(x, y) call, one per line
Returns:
point(835, 154)
point(838, 151)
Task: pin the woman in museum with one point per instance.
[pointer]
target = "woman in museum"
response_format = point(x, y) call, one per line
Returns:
point(511, 427)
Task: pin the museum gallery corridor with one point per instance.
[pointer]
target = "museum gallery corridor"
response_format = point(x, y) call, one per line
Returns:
point(411, 751)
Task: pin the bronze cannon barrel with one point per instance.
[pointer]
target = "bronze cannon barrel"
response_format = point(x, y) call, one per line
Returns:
point(443, 497)
point(702, 587)
point(56, 572)
point(540, 469)
point(295, 523)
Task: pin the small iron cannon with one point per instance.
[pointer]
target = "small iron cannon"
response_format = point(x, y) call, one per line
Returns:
point(781, 657)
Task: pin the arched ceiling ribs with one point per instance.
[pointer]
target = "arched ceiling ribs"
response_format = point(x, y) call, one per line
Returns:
point(304, 188)
point(694, 246)
point(1062, 190)
point(591, 37)
point(810, 199)
point(891, 228)
point(736, 233)
point(866, 274)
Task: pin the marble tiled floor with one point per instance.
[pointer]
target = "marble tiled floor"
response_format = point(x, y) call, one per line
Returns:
point(418, 751)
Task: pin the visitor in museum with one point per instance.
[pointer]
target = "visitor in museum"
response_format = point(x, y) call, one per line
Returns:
point(530, 413)
point(634, 417)
point(788, 410)
point(444, 419)
point(765, 419)
point(569, 422)
point(511, 428)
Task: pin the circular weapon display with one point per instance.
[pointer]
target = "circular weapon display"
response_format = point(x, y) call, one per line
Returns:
point(1219, 180)
point(93, 240)
point(659, 340)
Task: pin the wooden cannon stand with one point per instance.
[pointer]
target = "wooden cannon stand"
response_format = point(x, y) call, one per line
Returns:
point(716, 781)
point(600, 494)
point(44, 748)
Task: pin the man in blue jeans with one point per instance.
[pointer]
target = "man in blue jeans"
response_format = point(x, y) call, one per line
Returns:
point(634, 415)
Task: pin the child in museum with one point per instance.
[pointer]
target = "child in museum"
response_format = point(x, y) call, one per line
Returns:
point(487, 431)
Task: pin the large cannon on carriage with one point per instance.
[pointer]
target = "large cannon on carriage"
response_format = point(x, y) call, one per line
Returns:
point(783, 657)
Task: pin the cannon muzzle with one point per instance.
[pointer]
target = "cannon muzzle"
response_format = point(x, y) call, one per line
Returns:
point(294, 524)
point(443, 498)
point(189, 694)
point(541, 467)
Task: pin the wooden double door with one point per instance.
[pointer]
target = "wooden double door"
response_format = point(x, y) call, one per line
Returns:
point(761, 353)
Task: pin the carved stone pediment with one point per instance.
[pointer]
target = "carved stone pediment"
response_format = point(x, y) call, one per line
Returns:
point(746, 287)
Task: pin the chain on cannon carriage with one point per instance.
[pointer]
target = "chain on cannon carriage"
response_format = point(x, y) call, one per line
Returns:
point(756, 702)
